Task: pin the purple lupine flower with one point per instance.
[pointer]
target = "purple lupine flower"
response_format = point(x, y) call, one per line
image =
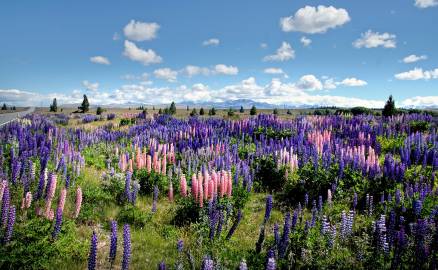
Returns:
point(213, 221)
point(135, 188)
point(5, 206)
point(306, 199)
point(284, 243)
point(128, 186)
point(319, 203)
point(58, 223)
point(417, 206)
point(154, 203)
point(207, 263)
point(113, 242)
point(180, 246)
point(162, 266)
point(276, 234)
point(92, 257)
point(126, 247)
point(268, 208)
point(355, 200)
point(235, 224)
point(10, 226)
point(271, 264)
point(219, 223)
point(242, 265)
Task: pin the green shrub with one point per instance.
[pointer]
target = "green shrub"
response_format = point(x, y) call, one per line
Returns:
point(419, 126)
point(268, 176)
point(187, 211)
point(134, 216)
point(147, 181)
point(94, 201)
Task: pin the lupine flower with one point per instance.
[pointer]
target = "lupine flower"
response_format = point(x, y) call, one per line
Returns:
point(113, 242)
point(170, 195)
point(242, 265)
point(207, 263)
point(268, 208)
point(126, 247)
point(180, 245)
point(417, 205)
point(58, 223)
point(235, 224)
point(128, 186)
point(92, 257)
point(78, 202)
point(162, 266)
point(271, 264)
point(5, 206)
point(10, 226)
point(154, 203)
point(62, 197)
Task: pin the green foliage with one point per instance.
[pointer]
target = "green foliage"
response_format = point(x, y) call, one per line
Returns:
point(172, 108)
point(194, 112)
point(268, 176)
point(85, 106)
point(187, 211)
point(269, 132)
point(275, 111)
point(253, 110)
point(289, 112)
point(127, 121)
point(147, 181)
point(116, 187)
point(95, 155)
point(4, 107)
point(360, 110)
point(212, 111)
point(133, 215)
point(390, 144)
point(240, 197)
point(241, 109)
point(99, 110)
point(230, 112)
point(54, 106)
point(32, 246)
point(201, 111)
point(389, 109)
point(419, 126)
point(94, 201)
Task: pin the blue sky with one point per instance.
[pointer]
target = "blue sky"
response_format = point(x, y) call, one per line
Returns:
point(282, 52)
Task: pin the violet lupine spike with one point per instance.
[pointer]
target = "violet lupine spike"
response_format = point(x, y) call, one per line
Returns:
point(58, 223)
point(113, 242)
point(271, 265)
point(6, 200)
point(207, 264)
point(10, 226)
point(162, 266)
point(154, 203)
point(92, 257)
point(268, 208)
point(128, 186)
point(235, 224)
point(126, 247)
point(242, 265)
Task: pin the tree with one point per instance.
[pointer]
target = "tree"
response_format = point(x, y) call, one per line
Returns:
point(187, 107)
point(160, 111)
point(54, 106)
point(14, 108)
point(289, 112)
point(230, 112)
point(253, 110)
point(193, 112)
point(172, 109)
point(241, 109)
point(201, 111)
point(85, 106)
point(275, 111)
point(99, 110)
point(4, 107)
point(389, 109)
point(153, 108)
point(212, 111)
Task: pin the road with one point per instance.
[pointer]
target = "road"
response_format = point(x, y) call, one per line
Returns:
point(8, 117)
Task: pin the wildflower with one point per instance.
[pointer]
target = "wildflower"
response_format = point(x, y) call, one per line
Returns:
point(126, 247)
point(113, 242)
point(10, 226)
point(93, 252)
point(268, 208)
point(58, 223)
point(78, 202)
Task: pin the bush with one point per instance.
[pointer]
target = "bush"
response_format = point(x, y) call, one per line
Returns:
point(268, 176)
point(127, 121)
point(188, 211)
point(116, 187)
point(134, 216)
point(94, 201)
point(419, 126)
point(147, 181)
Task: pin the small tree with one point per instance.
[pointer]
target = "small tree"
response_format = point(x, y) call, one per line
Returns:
point(289, 112)
point(54, 106)
point(153, 108)
point(172, 109)
point(193, 112)
point(389, 109)
point(201, 111)
point(230, 112)
point(187, 107)
point(275, 111)
point(160, 111)
point(14, 108)
point(85, 106)
point(241, 109)
point(253, 110)
point(4, 107)
point(99, 110)
point(212, 111)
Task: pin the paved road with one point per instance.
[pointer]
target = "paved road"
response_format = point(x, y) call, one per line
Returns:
point(8, 117)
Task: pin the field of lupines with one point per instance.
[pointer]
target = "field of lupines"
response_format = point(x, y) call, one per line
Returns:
point(156, 192)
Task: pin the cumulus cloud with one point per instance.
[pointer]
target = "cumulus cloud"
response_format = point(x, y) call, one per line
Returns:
point(225, 70)
point(100, 60)
point(90, 86)
point(305, 41)
point(372, 39)
point(315, 20)
point(420, 102)
point(137, 54)
point(414, 58)
point(426, 3)
point(191, 71)
point(284, 53)
point(352, 82)
point(140, 31)
point(273, 71)
point(211, 42)
point(166, 74)
point(310, 83)
point(263, 45)
point(417, 74)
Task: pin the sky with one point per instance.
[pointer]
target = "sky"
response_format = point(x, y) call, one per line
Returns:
point(293, 53)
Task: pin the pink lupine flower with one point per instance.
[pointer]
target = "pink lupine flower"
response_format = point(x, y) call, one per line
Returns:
point(131, 169)
point(78, 202)
point(170, 191)
point(183, 185)
point(28, 200)
point(163, 166)
point(62, 197)
point(48, 208)
point(329, 196)
point(22, 203)
point(51, 215)
point(201, 196)
point(230, 187)
point(194, 187)
point(52, 188)
point(206, 195)
point(148, 163)
point(3, 185)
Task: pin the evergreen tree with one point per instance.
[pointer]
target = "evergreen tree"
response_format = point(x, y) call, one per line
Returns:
point(187, 107)
point(289, 112)
point(85, 106)
point(14, 108)
point(172, 109)
point(230, 112)
point(99, 110)
point(193, 112)
point(160, 111)
point(4, 107)
point(201, 111)
point(153, 108)
point(253, 110)
point(241, 109)
point(212, 111)
point(275, 111)
point(54, 106)
point(389, 109)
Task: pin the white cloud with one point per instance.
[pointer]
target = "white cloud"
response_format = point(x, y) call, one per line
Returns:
point(275, 71)
point(100, 60)
point(330, 84)
point(371, 39)
point(414, 58)
point(417, 74)
point(284, 53)
point(225, 70)
point(426, 3)
point(191, 71)
point(353, 82)
point(263, 45)
point(309, 82)
point(420, 102)
point(314, 20)
point(166, 74)
point(137, 54)
point(90, 86)
point(211, 42)
point(140, 31)
point(305, 41)
point(116, 36)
